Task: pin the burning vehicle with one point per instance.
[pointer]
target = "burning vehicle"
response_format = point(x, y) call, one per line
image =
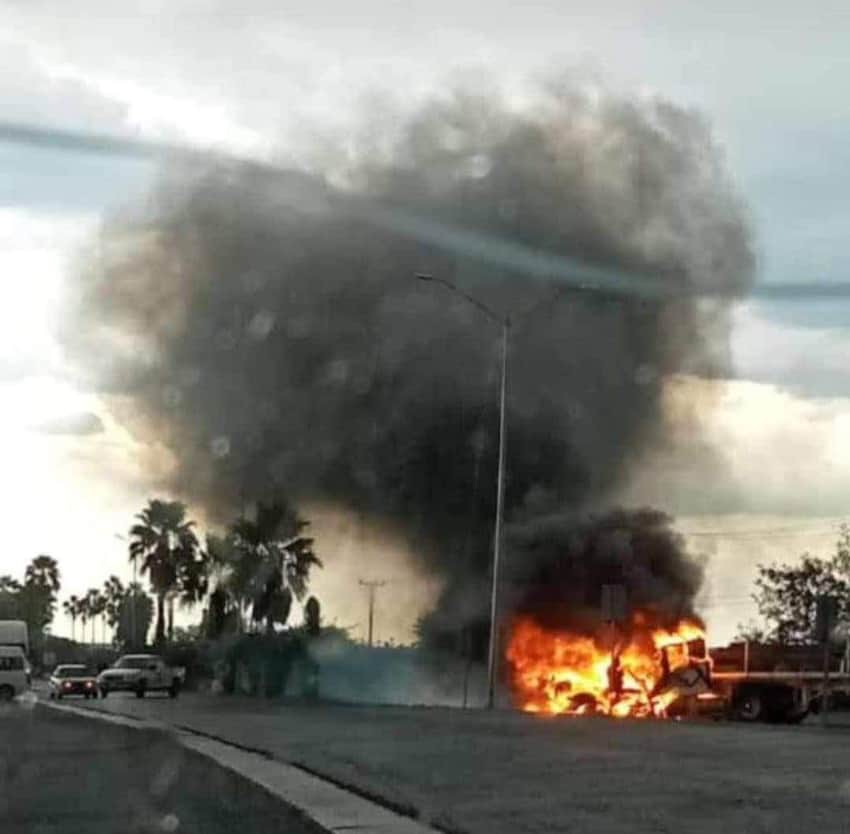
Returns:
point(574, 648)
point(638, 672)
point(642, 671)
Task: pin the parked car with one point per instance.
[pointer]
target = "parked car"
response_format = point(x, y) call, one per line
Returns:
point(14, 677)
point(71, 679)
point(139, 673)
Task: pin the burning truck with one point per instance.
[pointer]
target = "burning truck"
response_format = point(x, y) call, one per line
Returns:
point(636, 671)
point(575, 647)
point(641, 671)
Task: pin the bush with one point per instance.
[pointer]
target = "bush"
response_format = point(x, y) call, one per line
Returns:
point(263, 663)
point(196, 657)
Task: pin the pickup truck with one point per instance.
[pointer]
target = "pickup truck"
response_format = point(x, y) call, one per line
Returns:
point(140, 674)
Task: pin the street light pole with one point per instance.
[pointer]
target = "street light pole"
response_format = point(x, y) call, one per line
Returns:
point(505, 322)
point(492, 658)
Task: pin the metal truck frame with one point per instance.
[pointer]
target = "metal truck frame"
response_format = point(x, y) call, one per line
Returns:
point(779, 695)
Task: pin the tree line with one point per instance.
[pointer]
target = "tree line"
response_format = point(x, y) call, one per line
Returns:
point(249, 576)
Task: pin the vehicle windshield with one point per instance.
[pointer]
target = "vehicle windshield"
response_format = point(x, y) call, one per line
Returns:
point(133, 663)
point(70, 672)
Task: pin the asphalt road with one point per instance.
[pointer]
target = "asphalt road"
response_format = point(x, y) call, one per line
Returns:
point(473, 771)
point(66, 774)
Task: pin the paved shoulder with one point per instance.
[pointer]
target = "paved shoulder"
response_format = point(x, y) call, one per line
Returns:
point(62, 773)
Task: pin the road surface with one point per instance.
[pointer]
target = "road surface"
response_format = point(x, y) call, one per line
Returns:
point(65, 774)
point(473, 771)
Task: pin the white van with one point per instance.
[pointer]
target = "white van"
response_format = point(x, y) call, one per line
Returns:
point(14, 633)
point(14, 680)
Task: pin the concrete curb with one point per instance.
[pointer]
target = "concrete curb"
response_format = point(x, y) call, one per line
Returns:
point(329, 806)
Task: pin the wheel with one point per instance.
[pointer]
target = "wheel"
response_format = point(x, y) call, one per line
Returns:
point(52, 696)
point(6, 693)
point(174, 689)
point(58, 696)
point(748, 706)
point(104, 692)
point(140, 692)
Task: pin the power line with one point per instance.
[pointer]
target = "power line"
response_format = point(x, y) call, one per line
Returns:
point(777, 532)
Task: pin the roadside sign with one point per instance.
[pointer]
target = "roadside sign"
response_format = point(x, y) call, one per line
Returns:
point(614, 603)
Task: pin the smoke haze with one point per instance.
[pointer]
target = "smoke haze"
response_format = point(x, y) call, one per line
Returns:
point(266, 328)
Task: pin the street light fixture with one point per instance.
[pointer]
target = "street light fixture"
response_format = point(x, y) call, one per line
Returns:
point(505, 322)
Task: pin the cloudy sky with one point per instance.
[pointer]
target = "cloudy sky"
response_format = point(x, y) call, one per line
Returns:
point(265, 79)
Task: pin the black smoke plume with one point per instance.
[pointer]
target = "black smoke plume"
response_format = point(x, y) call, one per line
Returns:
point(266, 326)
point(568, 561)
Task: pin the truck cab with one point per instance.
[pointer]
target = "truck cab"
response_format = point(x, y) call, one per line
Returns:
point(140, 674)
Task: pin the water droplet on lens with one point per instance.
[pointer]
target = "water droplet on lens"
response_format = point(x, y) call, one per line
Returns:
point(477, 166)
point(220, 446)
point(645, 374)
point(169, 823)
point(172, 395)
point(261, 325)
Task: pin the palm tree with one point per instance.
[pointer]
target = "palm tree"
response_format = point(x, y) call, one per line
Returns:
point(71, 607)
point(225, 606)
point(83, 611)
point(10, 598)
point(41, 585)
point(95, 606)
point(113, 593)
point(273, 562)
point(165, 543)
point(43, 571)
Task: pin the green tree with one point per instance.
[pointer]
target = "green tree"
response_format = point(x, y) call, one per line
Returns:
point(84, 613)
point(135, 615)
point(272, 563)
point(71, 607)
point(113, 593)
point(166, 547)
point(229, 600)
point(43, 571)
point(787, 594)
point(224, 608)
point(96, 606)
point(313, 616)
point(38, 594)
point(10, 601)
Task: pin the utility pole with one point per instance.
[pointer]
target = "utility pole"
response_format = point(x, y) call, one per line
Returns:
point(372, 586)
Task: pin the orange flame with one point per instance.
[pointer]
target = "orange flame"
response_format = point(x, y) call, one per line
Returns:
point(609, 672)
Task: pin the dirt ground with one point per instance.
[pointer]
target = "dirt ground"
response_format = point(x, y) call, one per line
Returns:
point(473, 771)
point(66, 774)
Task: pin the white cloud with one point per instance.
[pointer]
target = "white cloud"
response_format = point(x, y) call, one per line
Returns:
point(35, 252)
point(813, 359)
point(747, 447)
